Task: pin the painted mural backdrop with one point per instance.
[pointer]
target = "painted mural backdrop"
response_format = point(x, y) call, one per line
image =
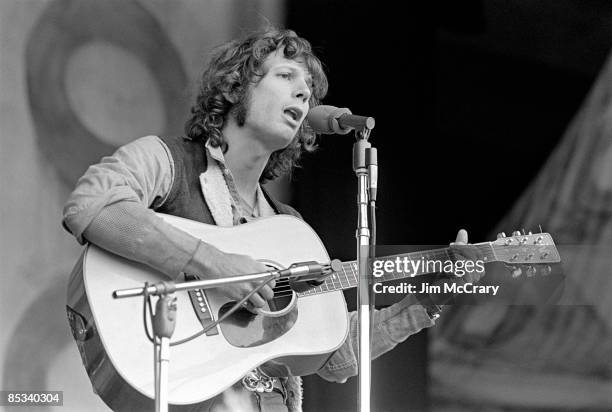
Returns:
point(554, 354)
point(79, 78)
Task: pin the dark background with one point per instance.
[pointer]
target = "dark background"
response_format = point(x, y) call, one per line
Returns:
point(469, 98)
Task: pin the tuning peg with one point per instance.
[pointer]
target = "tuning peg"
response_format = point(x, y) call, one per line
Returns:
point(546, 270)
point(516, 233)
point(515, 271)
point(501, 235)
point(531, 271)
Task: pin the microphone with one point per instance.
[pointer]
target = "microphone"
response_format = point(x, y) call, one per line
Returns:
point(333, 120)
point(307, 275)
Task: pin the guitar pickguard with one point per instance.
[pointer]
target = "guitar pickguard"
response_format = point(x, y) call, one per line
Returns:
point(244, 329)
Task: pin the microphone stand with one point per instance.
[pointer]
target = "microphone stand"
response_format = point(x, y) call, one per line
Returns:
point(362, 159)
point(164, 320)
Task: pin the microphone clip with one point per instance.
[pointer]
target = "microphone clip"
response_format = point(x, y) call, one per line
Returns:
point(307, 275)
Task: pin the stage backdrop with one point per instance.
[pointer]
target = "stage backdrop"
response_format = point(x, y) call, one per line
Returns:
point(78, 79)
point(556, 352)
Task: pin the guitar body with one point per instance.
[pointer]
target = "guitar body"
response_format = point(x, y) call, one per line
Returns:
point(119, 358)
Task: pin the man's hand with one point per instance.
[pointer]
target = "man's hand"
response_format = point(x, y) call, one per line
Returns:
point(463, 249)
point(211, 263)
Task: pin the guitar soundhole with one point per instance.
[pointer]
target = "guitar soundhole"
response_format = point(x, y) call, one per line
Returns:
point(245, 329)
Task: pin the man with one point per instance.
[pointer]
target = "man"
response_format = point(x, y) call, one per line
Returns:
point(247, 127)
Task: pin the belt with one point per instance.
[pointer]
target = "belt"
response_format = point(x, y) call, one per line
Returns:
point(257, 381)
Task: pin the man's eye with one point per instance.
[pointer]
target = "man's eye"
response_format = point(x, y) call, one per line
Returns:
point(285, 75)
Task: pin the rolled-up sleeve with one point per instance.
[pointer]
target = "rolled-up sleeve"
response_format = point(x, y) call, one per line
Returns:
point(392, 325)
point(141, 171)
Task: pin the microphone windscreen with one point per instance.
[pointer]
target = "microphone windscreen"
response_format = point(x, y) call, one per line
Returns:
point(324, 119)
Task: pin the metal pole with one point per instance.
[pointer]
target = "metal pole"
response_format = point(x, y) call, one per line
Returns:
point(363, 249)
point(162, 352)
point(164, 322)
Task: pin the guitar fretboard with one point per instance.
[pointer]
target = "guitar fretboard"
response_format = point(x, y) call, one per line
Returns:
point(347, 277)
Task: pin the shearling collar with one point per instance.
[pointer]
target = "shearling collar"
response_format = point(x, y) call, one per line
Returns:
point(220, 191)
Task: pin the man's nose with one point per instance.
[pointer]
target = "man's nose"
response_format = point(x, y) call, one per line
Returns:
point(302, 91)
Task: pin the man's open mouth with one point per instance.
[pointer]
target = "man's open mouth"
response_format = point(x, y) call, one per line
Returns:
point(294, 113)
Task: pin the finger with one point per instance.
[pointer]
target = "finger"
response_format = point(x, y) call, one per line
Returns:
point(266, 292)
point(257, 301)
point(249, 306)
point(462, 237)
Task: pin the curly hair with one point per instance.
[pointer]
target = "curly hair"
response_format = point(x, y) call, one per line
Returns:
point(225, 86)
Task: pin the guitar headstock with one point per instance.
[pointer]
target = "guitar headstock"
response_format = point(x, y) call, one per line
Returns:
point(526, 253)
point(525, 249)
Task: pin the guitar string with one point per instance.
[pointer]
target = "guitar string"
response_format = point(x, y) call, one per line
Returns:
point(486, 248)
point(350, 281)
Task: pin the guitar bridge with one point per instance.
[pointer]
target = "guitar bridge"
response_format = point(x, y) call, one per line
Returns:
point(201, 307)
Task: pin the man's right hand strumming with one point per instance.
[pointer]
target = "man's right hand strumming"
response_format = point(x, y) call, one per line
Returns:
point(209, 262)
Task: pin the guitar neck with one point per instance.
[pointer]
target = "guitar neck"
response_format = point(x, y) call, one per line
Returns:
point(410, 265)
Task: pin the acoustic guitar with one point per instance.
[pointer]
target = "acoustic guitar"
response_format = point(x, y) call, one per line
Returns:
point(118, 357)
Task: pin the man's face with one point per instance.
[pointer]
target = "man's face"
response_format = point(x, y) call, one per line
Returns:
point(278, 103)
